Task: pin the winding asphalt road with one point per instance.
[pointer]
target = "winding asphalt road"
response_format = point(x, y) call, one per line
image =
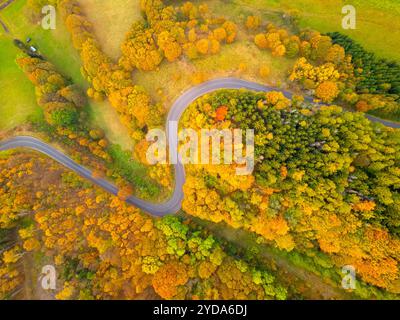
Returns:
point(175, 203)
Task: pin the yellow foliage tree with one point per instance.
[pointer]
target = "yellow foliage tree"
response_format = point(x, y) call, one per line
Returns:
point(253, 22)
point(327, 91)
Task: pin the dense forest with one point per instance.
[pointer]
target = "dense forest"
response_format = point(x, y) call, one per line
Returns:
point(107, 249)
point(325, 181)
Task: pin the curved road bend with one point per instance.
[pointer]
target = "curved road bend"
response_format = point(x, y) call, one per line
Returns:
point(174, 204)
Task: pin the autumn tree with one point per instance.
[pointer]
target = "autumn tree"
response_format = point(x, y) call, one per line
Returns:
point(253, 22)
point(327, 91)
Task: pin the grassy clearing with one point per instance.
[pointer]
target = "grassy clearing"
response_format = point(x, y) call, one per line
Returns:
point(111, 20)
point(101, 114)
point(171, 79)
point(17, 95)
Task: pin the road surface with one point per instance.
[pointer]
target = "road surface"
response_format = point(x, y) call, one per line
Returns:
point(174, 204)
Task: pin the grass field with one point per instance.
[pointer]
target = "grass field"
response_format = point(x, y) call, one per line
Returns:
point(103, 115)
point(17, 95)
point(111, 20)
point(167, 83)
